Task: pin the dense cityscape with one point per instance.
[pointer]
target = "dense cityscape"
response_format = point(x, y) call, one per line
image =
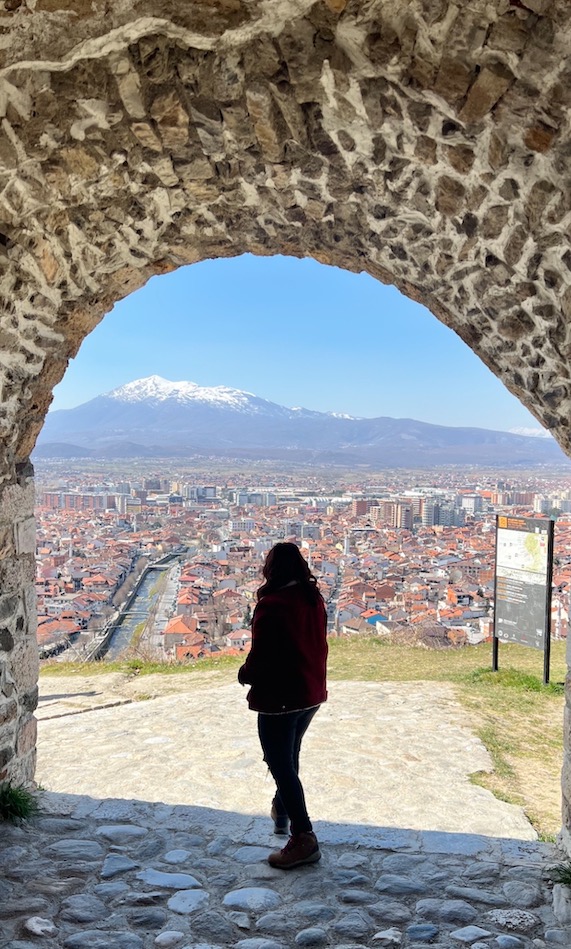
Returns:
point(163, 561)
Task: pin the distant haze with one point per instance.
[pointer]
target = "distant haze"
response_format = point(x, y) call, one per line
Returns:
point(156, 417)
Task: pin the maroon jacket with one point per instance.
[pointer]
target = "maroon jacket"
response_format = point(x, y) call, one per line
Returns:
point(286, 664)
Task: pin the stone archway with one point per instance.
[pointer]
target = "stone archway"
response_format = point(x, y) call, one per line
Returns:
point(426, 142)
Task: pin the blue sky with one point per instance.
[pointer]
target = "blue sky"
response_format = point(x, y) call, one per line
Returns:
point(298, 333)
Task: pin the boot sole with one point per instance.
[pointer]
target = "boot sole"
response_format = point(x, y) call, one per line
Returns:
point(281, 830)
point(312, 858)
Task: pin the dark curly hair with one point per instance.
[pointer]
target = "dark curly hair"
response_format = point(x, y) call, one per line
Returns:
point(285, 563)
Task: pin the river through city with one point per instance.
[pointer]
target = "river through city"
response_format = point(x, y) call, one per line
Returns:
point(144, 604)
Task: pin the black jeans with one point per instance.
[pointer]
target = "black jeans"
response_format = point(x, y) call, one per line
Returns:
point(280, 738)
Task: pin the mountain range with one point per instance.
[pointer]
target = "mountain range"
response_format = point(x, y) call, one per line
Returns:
point(153, 417)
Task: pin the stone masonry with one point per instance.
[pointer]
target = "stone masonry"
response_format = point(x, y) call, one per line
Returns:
point(425, 142)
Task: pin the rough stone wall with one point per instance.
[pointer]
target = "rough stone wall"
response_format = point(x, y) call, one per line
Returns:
point(18, 652)
point(426, 142)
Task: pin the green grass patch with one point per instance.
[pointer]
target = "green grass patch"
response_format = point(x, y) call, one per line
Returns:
point(545, 837)
point(141, 666)
point(160, 584)
point(515, 679)
point(377, 659)
point(499, 751)
point(482, 780)
point(561, 873)
point(137, 634)
point(17, 804)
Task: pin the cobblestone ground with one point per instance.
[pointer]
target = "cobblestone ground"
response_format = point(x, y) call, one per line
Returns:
point(167, 860)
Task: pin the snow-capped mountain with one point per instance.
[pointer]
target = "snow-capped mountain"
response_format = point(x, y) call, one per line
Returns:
point(531, 432)
point(157, 389)
point(156, 417)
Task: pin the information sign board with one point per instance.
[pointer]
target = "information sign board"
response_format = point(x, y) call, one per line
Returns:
point(524, 570)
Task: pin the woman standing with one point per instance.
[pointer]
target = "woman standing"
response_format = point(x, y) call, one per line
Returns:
point(286, 668)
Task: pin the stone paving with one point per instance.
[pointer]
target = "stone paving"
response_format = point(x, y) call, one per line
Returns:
point(154, 831)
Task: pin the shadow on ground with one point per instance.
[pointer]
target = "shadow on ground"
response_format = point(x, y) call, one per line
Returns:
point(57, 696)
point(95, 873)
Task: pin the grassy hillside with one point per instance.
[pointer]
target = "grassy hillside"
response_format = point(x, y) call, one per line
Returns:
point(518, 718)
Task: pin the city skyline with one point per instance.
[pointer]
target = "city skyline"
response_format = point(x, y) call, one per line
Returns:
point(297, 333)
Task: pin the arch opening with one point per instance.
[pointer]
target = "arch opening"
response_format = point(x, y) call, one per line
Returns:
point(292, 332)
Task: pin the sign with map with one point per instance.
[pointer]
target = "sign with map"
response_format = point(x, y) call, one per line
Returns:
point(524, 567)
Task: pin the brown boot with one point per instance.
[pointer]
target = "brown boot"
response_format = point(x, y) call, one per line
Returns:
point(281, 821)
point(300, 848)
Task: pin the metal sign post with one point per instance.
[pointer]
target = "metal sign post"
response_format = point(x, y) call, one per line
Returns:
point(523, 581)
